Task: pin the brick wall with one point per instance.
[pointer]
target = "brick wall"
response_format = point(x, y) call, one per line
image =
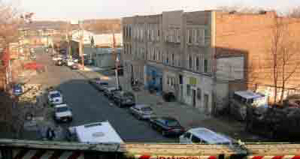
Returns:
point(253, 33)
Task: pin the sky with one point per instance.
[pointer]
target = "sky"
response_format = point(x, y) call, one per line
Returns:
point(90, 9)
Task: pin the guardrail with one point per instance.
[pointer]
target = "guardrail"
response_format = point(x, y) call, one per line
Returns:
point(24, 149)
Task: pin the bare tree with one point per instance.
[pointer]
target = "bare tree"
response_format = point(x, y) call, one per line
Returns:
point(295, 12)
point(9, 23)
point(284, 57)
point(240, 9)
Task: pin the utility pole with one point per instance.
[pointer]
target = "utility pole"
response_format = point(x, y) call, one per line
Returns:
point(81, 53)
point(116, 59)
point(69, 39)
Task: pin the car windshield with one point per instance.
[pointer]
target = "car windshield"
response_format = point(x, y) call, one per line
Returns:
point(146, 109)
point(104, 83)
point(172, 123)
point(55, 95)
point(62, 109)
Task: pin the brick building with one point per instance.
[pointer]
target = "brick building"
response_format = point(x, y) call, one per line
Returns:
point(203, 56)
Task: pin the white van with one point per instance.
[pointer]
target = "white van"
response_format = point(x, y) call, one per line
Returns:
point(243, 99)
point(203, 136)
point(99, 132)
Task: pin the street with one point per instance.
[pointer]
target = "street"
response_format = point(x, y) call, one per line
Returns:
point(88, 105)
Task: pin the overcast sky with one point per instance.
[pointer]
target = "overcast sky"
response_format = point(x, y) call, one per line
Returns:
point(86, 9)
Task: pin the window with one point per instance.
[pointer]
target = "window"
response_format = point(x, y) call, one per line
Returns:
point(129, 32)
point(168, 81)
point(200, 37)
point(187, 135)
point(195, 139)
point(159, 56)
point(189, 36)
point(205, 65)
point(154, 55)
point(206, 36)
point(188, 90)
point(194, 36)
point(178, 35)
point(197, 64)
point(148, 34)
point(142, 32)
point(173, 59)
point(190, 62)
point(199, 93)
point(152, 35)
point(167, 60)
point(124, 31)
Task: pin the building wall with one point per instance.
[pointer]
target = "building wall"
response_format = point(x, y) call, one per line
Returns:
point(139, 40)
point(230, 68)
point(254, 33)
point(202, 86)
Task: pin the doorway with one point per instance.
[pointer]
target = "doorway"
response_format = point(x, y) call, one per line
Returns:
point(194, 98)
point(206, 99)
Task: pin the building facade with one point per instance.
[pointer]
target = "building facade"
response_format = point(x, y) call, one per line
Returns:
point(203, 56)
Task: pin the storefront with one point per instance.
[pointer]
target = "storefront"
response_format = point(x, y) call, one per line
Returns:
point(154, 78)
point(197, 91)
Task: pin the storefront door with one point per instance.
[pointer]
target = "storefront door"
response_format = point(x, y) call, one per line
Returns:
point(194, 98)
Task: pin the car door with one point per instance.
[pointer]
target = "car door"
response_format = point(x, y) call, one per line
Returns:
point(185, 138)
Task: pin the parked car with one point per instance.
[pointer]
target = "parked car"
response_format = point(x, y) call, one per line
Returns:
point(56, 57)
point(55, 97)
point(123, 98)
point(69, 62)
point(62, 113)
point(142, 111)
point(109, 90)
point(94, 80)
point(241, 100)
point(167, 126)
point(98, 84)
point(203, 136)
point(17, 89)
point(75, 66)
point(59, 63)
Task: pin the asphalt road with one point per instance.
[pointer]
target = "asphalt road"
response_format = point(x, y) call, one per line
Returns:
point(88, 105)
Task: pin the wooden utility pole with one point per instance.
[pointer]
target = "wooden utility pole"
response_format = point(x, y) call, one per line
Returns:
point(81, 53)
point(116, 60)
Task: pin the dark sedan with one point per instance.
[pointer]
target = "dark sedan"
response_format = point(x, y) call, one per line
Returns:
point(167, 126)
point(123, 98)
point(108, 91)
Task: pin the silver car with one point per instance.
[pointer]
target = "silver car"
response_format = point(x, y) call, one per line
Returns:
point(142, 111)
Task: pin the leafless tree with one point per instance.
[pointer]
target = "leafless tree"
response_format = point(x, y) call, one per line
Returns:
point(240, 9)
point(295, 12)
point(9, 23)
point(284, 57)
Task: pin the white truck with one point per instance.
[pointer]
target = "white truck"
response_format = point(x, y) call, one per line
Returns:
point(98, 132)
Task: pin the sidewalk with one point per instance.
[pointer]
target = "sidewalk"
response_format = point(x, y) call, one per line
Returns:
point(188, 116)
